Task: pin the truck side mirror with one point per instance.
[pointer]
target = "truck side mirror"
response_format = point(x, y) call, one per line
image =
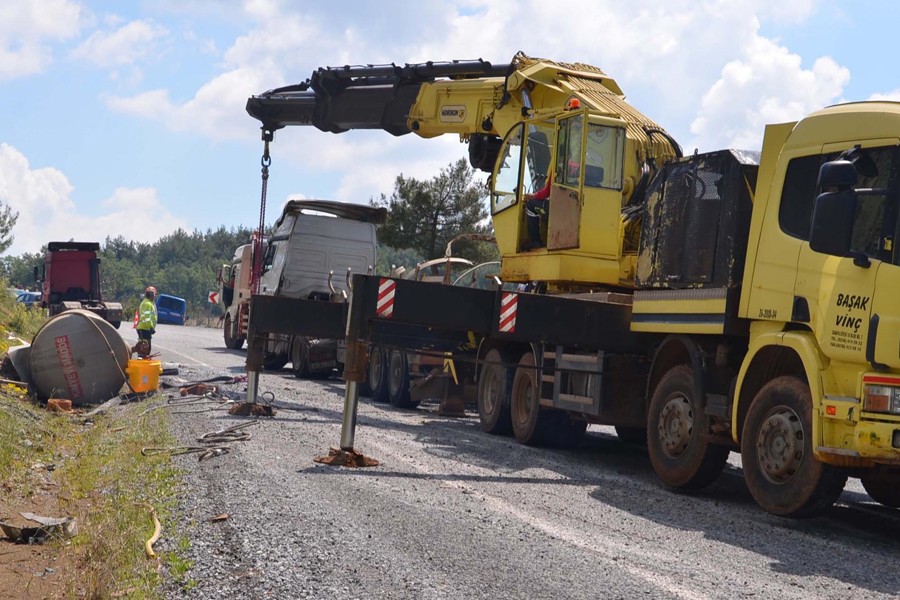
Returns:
point(833, 218)
point(840, 174)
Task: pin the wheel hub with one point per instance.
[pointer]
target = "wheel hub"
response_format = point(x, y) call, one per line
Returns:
point(676, 425)
point(526, 404)
point(396, 373)
point(374, 369)
point(779, 445)
point(491, 391)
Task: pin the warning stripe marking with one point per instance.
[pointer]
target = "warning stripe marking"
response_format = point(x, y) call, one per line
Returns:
point(509, 304)
point(385, 306)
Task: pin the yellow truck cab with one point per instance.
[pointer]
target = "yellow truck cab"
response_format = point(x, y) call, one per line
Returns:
point(823, 277)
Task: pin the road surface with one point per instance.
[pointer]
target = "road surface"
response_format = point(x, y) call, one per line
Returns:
point(451, 512)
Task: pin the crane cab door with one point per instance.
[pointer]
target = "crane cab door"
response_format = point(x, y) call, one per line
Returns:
point(564, 222)
point(587, 188)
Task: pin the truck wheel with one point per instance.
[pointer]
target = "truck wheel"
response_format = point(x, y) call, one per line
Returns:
point(529, 425)
point(776, 450)
point(883, 486)
point(300, 358)
point(232, 340)
point(274, 362)
point(677, 429)
point(376, 375)
point(398, 380)
point(494, 385)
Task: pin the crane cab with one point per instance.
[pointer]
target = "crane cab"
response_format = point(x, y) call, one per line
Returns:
point(589, 234)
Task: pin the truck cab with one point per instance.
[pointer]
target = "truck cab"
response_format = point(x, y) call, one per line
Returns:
point(824, 273)
point(314, 247)
point(70, 278)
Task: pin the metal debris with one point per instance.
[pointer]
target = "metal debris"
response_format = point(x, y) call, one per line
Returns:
point(65, 527)
point(346, 458)
point(251, 409)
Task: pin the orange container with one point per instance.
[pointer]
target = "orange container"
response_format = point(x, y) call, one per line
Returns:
point(143, 375)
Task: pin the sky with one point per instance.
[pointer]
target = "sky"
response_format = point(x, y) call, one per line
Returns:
point(127, 118)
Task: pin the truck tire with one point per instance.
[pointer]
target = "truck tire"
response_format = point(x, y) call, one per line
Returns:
point(494, 385)
point(530, 424)
point(677, 434)
point(776, 451)
point(883, 486)
point(300, 358)
point(376, 375)
point(232, 340)
point(398, 380)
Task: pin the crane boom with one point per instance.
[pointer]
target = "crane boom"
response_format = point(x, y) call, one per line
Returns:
point(522, 109)
point(469, 98)
point(336, 99)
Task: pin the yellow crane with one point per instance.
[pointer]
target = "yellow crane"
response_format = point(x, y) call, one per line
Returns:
point(569, 121)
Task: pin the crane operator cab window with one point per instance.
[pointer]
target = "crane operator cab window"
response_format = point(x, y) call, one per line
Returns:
point(603, 153)
point(533, 141)
point(506, 178)
point(523, 166)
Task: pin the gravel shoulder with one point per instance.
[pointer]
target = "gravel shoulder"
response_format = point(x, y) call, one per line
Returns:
point(452, 512)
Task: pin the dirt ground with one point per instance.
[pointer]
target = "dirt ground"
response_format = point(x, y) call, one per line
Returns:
point(39, 570)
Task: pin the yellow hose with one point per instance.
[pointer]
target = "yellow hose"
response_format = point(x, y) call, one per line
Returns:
point(157, 529)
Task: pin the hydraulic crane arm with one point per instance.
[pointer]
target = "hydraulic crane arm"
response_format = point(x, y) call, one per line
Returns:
point(526, 122)
point(337, 99)
point(476, 99)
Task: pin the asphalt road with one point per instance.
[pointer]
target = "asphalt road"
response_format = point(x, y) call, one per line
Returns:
point(451, 512)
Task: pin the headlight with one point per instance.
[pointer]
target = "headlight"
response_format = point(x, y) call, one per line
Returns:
point(881, 398)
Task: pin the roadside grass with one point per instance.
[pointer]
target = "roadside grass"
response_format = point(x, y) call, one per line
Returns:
point(107, 484)
point(92, 469)
point(17, 321)
point(121, 485)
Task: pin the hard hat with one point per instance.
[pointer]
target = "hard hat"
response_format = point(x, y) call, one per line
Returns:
point(573, 103)
point(151, 289)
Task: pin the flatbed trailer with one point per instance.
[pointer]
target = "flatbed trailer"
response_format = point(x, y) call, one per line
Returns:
point(571, 334)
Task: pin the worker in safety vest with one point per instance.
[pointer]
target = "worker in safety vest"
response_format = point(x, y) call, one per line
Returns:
point(146, 326)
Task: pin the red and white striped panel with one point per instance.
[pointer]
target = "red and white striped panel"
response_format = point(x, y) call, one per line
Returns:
point(509, 304)
point(385, 306)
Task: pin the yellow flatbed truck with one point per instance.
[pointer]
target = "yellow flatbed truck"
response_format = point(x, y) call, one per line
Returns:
point(727, 301)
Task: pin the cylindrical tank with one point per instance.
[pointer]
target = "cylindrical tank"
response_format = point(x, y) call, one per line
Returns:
point(79, 356)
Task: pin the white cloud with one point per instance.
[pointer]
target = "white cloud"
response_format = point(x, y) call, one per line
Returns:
point(216, 111)
point(28, 28)
point(767, 85)
point(779, 11)
point(42, 197)
point(893, 96)
point(701, 67)
point(123, 46)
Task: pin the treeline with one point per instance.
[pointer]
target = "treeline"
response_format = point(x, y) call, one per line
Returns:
point(424, 215)
point(181, 264)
